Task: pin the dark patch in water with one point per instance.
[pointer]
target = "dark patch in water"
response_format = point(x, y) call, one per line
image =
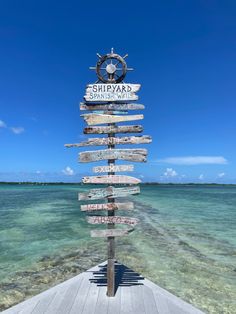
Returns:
point(191, 249)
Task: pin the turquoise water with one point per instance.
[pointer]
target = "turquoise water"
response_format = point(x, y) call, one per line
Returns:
point(185, 242)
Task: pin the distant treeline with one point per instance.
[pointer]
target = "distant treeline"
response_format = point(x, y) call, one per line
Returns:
point(144, 183)
point(39, 183)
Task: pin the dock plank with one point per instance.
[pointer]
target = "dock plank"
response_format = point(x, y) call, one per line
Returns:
point(43, 304)
point(126, 301)
point(174, 308)
point(90, 303)
point(28, 308)
point(149, 301)
point(137, 300)
point(102, 301)
point(64, 302)
point(161, 303)
point(82, 295)
point(114, 303)
point(54, 306)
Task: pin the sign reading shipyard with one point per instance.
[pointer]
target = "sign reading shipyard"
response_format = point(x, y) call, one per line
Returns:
point(111, 92)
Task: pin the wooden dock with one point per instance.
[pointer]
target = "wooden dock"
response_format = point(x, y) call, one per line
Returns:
point(86, 294)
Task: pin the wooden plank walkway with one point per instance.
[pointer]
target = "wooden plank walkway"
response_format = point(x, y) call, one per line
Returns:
point(86, 294)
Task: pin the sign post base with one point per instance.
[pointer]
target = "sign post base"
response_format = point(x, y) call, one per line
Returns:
point(111, 277)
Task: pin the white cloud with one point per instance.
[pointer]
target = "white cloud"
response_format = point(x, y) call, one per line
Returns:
point(221, 175)
point(38, 171)
point(201, 177)
point(17, 130)
point(170, 173)
point(194, 160)
point(2, 124)
point(68, 171)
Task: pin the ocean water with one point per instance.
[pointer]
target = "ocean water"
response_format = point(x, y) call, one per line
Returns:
point(185, 242)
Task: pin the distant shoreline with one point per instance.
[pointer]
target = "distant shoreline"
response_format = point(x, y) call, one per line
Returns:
point(144, 183)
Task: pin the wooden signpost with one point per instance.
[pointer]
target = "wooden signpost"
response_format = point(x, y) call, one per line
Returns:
point(108, 101)
point(113, 168)
point(112, 129)
point(110, 233)
point(110, 106)
point(109, 192)
point(94, 118)
point(104, 141)
point(107, 206)
point(112, 220)
point(111, 92)
point(122, 154)
point(111, 179)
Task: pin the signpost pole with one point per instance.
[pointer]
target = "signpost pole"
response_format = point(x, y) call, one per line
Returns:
point(111, 240)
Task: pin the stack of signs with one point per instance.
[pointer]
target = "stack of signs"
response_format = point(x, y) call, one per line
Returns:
point(108, 104)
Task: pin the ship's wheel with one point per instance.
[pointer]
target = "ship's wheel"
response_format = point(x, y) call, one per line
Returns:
point(111, 68)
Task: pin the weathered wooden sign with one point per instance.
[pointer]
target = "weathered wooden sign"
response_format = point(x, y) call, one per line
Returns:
point(111, 179)
point(138, 155)
point(112, 220)
point(104, 141)
point(111, 92)
point(113, 168)
point(107, 206)
point(110, 233)
point(113, 129)
point(111, 106)
point(109, 192)
point(93, 118)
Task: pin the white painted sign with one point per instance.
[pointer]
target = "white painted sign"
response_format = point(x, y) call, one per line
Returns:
point(113, 168)
point(111, 92)
point(110, 233)
point(108, 206)
point(94, 118)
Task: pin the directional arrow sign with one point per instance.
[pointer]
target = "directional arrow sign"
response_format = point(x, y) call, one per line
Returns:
point(112, 219)
point(109, 192)
point(110, 233)
point(111, 179)
point(113, 168)
point(113, 129)
point(107, 206)
point(93, 118)
point(138, 155)
point(84, 106)
point(104, 141)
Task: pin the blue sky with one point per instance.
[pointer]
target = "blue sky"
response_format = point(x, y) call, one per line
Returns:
point(184, 56)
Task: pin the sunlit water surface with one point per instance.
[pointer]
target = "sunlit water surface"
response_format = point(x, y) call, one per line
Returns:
point(185, 242)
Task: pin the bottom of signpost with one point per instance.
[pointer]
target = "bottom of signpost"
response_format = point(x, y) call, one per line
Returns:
point(111, 277)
